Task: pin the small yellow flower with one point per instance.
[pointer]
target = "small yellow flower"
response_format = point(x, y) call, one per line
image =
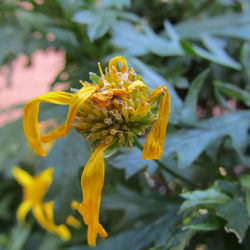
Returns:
point(109, 112)
point(34, 190)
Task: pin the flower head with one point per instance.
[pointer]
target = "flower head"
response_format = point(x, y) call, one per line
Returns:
point(109, 112)
point(34, 190)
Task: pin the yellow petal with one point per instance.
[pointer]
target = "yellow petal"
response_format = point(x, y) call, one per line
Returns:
point(77, 100)
point(136, 84)
point(44, 215)
point(22, 210)
point(153, 148)
point(45, 178)
point(72, 221)
point(113, 64)
point(49, 210)
point(92, 183)
point(22, 176)
point(30, 121)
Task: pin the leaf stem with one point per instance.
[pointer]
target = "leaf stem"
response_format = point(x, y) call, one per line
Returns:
point(165, 168)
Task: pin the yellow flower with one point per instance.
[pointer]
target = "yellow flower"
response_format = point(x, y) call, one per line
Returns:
point(109, 112)
point(34, 190)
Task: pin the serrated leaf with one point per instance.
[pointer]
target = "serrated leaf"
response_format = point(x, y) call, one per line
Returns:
point(205, 199)
point(99, 21)
point(235, 213)
point(229, 187)
point(228, 25)
point(188, 144)
point(139, 42)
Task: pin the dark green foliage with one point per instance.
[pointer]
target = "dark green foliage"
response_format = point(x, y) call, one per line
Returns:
point(201, 51)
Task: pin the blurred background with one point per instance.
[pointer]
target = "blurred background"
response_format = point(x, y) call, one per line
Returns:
point(201, 51)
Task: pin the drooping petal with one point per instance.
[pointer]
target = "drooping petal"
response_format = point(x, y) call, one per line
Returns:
point(92, 183)
point(44, 215)
point(23, 209)
point(153, 148)
point(21, 176)
point(113, 64)
point(61, 230)
point(77, 100)
point(30, 121)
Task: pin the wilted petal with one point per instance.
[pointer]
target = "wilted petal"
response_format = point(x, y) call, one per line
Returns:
point(153, 148)
point(30, 121)
point(77, 100)
point(92, 183)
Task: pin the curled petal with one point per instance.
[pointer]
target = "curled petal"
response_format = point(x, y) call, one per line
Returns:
point(30, 121)
point(76, 101)
point(21, 176)
point(153, 148)
point(113, 64)
point(92, 183)
point(22, 210)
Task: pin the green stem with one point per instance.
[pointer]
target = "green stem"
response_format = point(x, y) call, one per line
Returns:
point(165, 168)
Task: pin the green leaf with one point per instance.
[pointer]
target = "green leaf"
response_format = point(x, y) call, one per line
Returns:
point(176, 240)
point(132, 162)
point(245, 182)
point(135, 42)
point(188, 111)
point(188, 144)
point(205, 199)
point(235, 213)
point(138, 238)
point(120, 4)
point(233, 91)
point(135, 205)
point(205, 223)
point(99, 21)
point(229, 25)
point(14, 146)
point(67, 157)
point(94, 77)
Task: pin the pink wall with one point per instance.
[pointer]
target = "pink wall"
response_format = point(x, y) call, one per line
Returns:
point(28, 82)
